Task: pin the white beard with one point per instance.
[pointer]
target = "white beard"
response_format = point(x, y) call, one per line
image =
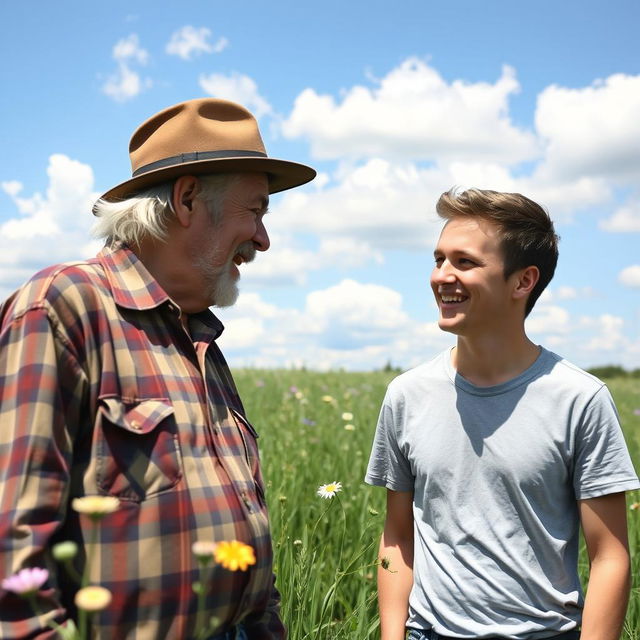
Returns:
point(220, 282)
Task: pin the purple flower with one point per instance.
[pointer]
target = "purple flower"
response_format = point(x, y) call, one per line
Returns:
point(293, 390)
point(636, 412)
point(309, 423)
point(26, 581)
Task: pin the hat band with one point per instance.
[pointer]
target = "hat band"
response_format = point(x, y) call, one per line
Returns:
point(195, 156)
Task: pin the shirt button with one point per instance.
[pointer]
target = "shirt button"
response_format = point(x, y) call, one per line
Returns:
point(135, 425)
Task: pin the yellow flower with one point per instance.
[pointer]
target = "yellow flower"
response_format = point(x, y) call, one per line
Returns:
point(95, 507)
point(634, 506)
point(93, 598)
point(347, 416)
point(327, 399)
point(349, 427)
point(234, 555)
point(329, 490)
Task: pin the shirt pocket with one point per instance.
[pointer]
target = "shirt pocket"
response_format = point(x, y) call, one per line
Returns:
point(137, 448)
point(249, 438)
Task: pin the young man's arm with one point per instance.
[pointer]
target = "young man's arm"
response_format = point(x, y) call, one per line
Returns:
point(395, 573)
point(604, 523)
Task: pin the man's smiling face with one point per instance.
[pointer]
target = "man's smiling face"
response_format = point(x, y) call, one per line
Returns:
point(218, 249)
point(468, 278)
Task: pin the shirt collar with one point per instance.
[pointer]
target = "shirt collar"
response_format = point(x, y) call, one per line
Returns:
point(133, 287)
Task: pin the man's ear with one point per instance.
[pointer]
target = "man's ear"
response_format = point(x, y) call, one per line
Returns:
point(526, 281)
point(185, 189)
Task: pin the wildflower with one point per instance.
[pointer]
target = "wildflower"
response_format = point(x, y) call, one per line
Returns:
point(636, 412)
point(308, 422)
point(297, 543)
point(259, 383)
point(385, 563)
point(93, 598)
point(282, 499)
point(96, 507)
point(329, 490)
point(234, 555)
point(373, 512)
point(26, 582)
point(64, 551)
point(347, 416)
point(349, 427)
point(293, 390)
point(328, 399)
point(634, 506)
point(203, 550)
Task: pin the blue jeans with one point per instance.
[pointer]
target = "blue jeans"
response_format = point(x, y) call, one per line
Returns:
point(430, 634)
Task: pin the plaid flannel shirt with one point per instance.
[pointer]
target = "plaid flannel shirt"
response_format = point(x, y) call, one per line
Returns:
point(103, 392)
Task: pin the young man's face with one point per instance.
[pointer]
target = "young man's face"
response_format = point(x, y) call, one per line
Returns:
point(473, 297)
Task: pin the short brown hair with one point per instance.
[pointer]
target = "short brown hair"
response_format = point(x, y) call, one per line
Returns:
point(526, 231)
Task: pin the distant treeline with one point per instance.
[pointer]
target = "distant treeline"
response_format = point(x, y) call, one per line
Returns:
point(613, 371)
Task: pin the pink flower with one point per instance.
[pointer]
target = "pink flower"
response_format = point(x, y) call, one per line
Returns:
point(26, 581)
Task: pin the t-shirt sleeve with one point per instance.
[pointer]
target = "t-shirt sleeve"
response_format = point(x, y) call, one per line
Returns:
point(602, 462)
point(388, 465)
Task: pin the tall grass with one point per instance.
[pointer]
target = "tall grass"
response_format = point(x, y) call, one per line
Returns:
point(326, 550)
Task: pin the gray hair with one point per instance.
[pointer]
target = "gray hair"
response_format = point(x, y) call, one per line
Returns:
point(148, 213)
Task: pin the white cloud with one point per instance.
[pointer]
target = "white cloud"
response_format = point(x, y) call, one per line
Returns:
point(566, 293)
point(287, 263)
point(608, 336)
point(346, 252)
point(350, 325)
point(630, 277)
point(548, 319)
point(50, 228)
point(126, 83)
point(592, 131)
point(189, 41)
point(367, 312)
point(414, 114)
point(129, 49)
point(12, 187)
point(236, 87)
point(625, 218)
point(384, 205)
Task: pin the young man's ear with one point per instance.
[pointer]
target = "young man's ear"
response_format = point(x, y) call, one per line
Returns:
point(526, 281)
point(185, 189)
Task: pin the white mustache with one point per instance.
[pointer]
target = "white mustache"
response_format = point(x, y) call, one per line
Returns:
point(247, 251)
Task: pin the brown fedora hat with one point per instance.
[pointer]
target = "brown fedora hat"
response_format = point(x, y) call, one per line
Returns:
point(206, 135)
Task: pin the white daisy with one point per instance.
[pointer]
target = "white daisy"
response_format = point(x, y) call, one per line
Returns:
point(329, 490)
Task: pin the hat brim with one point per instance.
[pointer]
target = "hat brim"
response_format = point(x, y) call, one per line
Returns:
point(282, 174)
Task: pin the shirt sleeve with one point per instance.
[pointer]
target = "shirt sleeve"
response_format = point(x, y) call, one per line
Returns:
point(388, 465)
point(602, 463)
point(38, 394)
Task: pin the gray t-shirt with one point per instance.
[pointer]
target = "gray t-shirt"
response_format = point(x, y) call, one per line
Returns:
point(496, 472)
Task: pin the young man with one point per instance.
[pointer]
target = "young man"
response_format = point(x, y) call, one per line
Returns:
point(495, 452)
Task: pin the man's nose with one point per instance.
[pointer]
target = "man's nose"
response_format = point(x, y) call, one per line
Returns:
point(261, 237)
point(444, 272)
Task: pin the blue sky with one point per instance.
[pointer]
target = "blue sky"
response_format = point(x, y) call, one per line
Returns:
point(393, 103)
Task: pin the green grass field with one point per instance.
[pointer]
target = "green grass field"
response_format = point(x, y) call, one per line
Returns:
point(326, 550)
